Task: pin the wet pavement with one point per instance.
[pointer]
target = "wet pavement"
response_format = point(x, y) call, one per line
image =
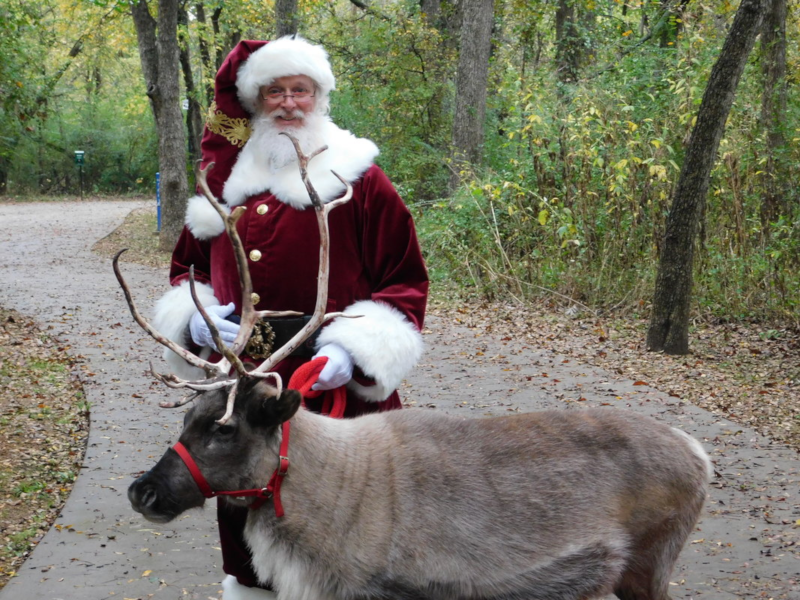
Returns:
point(746, 545)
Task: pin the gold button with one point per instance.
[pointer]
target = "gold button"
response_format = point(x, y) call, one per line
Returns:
point(262, 209)
point(255, 298)
point(255, 255)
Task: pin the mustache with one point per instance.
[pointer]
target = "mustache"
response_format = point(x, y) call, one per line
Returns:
point(279, 112)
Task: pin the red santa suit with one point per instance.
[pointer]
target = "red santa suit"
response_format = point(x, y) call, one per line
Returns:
point(376, 271)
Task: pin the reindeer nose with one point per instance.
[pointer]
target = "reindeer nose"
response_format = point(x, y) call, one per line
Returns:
point(149, 498)
point(143, 497)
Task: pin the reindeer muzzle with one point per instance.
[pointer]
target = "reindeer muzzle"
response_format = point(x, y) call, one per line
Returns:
point(261, 494)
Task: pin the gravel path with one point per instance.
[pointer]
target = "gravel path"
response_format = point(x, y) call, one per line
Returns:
point(746, 545)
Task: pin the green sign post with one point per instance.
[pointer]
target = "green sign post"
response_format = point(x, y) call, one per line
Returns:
point(79, 161)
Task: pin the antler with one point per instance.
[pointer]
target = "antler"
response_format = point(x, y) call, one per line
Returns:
point(209, 367)
point(319, 316)
point(322, 210)
point(218, 372)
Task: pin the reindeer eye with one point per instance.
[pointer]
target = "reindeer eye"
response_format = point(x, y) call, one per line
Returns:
point(225, 429)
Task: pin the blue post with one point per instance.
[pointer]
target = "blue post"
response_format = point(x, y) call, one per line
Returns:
point(158, 200)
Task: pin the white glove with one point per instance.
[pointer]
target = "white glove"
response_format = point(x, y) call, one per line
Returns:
point(337, 371)
point(201, 334)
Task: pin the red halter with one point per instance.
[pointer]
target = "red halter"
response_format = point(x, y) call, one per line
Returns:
point(333, 405)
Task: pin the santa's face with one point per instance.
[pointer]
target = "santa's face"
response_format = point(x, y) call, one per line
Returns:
point(287, 106)
point(288, 100)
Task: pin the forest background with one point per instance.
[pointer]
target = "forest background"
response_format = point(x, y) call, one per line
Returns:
point(589, 107)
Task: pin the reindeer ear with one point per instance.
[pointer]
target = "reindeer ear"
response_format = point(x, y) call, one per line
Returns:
point(290, 402)
point(264, 408)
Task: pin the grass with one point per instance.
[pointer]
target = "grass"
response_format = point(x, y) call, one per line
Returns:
point(138, 234)
point(44, 427)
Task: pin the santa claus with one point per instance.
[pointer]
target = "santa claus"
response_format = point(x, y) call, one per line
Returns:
point(376, 267)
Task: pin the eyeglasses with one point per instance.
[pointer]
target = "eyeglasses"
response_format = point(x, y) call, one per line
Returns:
point(300, 95)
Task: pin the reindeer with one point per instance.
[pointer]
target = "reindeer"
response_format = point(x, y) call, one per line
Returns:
point(413, 504)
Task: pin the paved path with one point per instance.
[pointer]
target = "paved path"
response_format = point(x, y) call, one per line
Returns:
point(746, 545)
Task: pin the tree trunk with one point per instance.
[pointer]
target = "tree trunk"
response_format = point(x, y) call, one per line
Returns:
point(285, 17)
point(451, 18)
point(668, 34)
point(567, 42)
point(773, 107)
point(233, 39)
point(669, 323)
point(471, 81)
point(670, 24)
point(209, 68)
point(159, 53)
point(4, 164)
point(194, 112)
point(432, 9)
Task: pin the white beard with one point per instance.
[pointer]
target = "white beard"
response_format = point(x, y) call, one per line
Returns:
point(278, 150)
point(268, 162)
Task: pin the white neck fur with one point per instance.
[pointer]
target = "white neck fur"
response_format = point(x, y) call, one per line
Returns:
point(255, 173)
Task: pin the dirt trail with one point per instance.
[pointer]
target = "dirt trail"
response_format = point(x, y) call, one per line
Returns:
point(746, 545)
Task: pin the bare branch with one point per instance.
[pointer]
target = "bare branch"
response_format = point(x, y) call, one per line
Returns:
point(369, 10)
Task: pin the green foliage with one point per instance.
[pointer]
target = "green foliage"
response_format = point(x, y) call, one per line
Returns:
point(119, 142)
point(29, 487)
point(19, 21)
point(394, 86)
point(76, 85)
point(571, 198)
point(18, 543)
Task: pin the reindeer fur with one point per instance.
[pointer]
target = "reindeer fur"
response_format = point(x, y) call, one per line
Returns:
point(416, 504)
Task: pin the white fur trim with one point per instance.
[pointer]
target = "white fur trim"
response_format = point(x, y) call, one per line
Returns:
point(289, 55)
point(173, 312)
point(348, 155)
point(202, 219)
point(233, 590)
point(382, 342)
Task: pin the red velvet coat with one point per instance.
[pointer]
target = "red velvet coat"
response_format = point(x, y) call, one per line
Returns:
point(374, 256)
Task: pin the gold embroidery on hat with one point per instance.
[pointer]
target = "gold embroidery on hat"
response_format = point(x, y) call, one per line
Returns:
point(236, 131)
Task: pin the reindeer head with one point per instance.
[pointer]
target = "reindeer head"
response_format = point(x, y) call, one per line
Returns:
point(236, 455)
point(237, 415)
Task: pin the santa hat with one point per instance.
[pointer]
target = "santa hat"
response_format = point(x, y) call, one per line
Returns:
point(290, 55)
point(250, 65)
